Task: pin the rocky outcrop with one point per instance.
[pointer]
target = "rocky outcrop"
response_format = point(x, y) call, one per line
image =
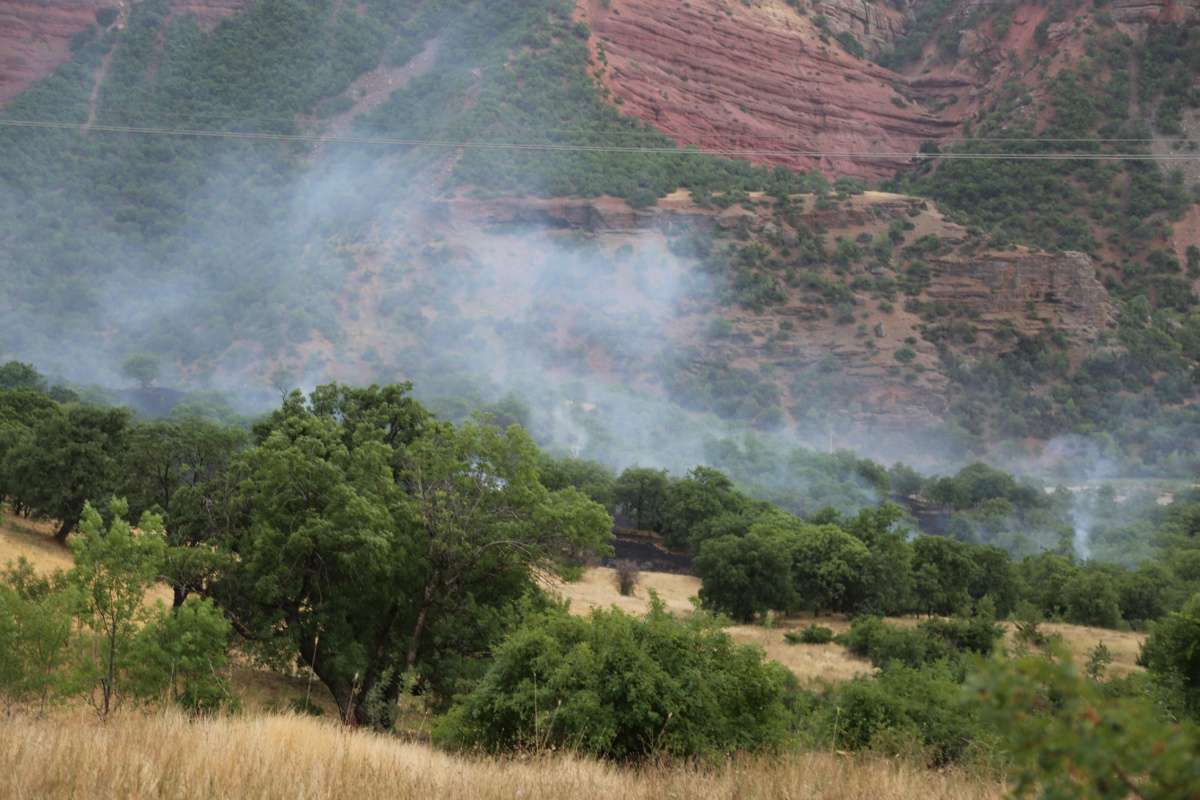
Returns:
point(1134, 11)
point(1027, 290)
point(875, 25)
point(35, 36)
point(759, 80)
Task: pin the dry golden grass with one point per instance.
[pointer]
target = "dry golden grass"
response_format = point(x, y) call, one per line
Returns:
point(33, 541)
point(811, 662)
point(164, 755)
point(1081, 640)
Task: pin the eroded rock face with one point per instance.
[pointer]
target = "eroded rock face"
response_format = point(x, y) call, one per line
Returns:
point(1028, 290)
point(1134, 11)
point(760, 81)
point(875, 25)
point(35, 37)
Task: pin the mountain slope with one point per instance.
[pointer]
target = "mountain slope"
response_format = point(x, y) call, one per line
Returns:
point(1036, 298)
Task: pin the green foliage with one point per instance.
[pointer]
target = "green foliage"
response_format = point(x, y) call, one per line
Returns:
point(1091, 599)
point(181, 656)
point(36, 618)
point(828, 565)
point(68, 458)
point(745, 576)
point(15, 375)
point(1067, 739)
point(640, 495)
point(113, 569)
point(377, 543)
point(623, 688)
point(1172, 653)
point(904, 709)
point(810, 634)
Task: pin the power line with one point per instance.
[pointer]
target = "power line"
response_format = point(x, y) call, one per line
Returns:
point(253, 117)
point(553, 147)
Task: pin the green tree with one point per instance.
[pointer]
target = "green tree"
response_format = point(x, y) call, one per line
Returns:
point(640, 494)
point(161, 457)
point(1172, 653)
point(745, 576)
point(141, 368)
point(374, 543)
point(829, 566)
point(113, 569)
point(943, 571)
point(590, 477)
point(887, 575)
point(15, 375)
point(1067, 738)
point(68, 459)
point(705, 493)
point(1092, 599)
point(1046, 575)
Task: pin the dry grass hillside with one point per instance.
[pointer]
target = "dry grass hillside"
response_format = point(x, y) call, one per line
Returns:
point(810, 662)
point(166, 755)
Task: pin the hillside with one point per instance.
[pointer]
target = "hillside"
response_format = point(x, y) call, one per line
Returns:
point(148, 756)
point(978, 306)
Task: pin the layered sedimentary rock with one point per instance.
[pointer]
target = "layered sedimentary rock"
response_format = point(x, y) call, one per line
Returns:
point(875, 25)
point(760, 80)
point(1060, 290)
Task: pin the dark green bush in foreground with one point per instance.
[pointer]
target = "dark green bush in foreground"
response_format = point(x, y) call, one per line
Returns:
point(619, 687)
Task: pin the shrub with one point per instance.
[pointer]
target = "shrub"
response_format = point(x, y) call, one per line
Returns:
point(813, 634)
point(627, 576)
point(883, 644)
point(620, 687)
point(977, 634)
point(903, 706)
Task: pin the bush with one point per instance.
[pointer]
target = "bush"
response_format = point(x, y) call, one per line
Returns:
point(883, 644)
point(902, 707)
point(813, 634)
point(978, 634)
point(620, 687)
point(626, 577)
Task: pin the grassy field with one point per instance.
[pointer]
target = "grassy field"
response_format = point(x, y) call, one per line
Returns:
point(164, 755)
point(811, 662)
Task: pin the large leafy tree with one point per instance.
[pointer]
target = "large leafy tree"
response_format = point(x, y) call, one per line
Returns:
point(163, 456)
point(67, 460)
point(745, 576)
point(641, 495)
point(828, 567)
point(372, 542)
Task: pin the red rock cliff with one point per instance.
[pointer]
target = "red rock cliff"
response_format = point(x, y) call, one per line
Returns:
point(758, 78)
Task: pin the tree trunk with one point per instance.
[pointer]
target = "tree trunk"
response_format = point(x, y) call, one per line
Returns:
point(414, 641)
point(180, 593)
point(64, 531)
